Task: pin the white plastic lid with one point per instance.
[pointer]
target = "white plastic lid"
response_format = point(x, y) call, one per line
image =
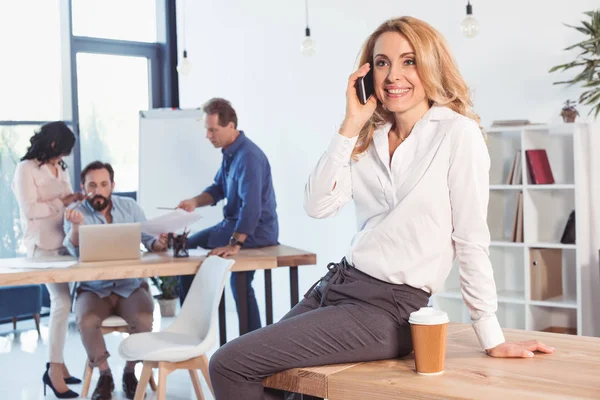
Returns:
point(428, 316)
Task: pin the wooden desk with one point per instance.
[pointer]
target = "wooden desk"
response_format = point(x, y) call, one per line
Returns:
point(571, 372)
point(163, 264)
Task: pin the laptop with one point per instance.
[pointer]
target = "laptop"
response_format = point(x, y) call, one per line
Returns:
point(109, 242)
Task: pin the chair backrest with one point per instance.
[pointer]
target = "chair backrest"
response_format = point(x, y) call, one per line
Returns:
point(131, 195)
point(198, 314)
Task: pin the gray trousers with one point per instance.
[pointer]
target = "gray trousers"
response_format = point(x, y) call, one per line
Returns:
point(346, 317)
point(91, 310)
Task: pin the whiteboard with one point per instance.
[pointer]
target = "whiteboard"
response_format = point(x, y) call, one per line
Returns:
point(177, 162)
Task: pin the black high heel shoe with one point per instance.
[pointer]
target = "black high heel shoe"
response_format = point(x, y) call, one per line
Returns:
point(70, 380)
point(69, 394)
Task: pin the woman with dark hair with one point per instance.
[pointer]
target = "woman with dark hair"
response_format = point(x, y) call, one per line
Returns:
point(43, 190)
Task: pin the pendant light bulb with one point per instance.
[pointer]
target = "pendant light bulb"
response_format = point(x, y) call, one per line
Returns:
point(309, 46)
point(185, 65)
point(469, 25)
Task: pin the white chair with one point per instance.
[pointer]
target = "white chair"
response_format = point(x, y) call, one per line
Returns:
point(184, 344)
point(114, 323)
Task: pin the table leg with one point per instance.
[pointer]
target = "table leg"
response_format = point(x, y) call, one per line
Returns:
point(294, 285)
point(222, 324)
point(242, 294)
point(269, 296)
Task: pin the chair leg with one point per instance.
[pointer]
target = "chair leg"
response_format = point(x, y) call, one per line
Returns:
point(196, 384)
point(143, 383)
point(152, 383)
point(163, 371)
point(14, 323)
point(204, 369)
point(87, 379)
point(36, 317)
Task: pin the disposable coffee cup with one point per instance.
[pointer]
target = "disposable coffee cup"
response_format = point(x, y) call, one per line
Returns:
point(428, 328)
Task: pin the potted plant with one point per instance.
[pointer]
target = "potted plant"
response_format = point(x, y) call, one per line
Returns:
point(589, 59)
point(169, 294)
point(569, 112)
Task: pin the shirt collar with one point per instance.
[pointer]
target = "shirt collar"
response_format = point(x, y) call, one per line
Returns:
point(439, 113)
point(236, 145)
point(435, 113)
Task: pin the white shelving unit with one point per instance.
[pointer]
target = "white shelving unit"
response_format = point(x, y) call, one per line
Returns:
point(546, 209)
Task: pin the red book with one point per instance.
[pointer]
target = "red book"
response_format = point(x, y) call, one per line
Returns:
point(539, 167)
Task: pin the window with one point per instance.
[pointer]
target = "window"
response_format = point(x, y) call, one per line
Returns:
point(112, 90)
point(49, 67)
point(31, 67)
point(14, 141)
point(133, 20)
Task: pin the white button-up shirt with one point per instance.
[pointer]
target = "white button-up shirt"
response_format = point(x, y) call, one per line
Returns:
point(419, 213)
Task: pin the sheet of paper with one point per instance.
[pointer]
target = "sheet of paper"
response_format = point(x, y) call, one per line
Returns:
point(42, 265)
point(198, 252)
point(173, 221)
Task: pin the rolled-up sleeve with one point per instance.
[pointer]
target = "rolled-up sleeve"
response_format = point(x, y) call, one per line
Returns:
point(216, 189)
point(73, 250)
point(250, 184)
point(139, 216)
point(468, 180)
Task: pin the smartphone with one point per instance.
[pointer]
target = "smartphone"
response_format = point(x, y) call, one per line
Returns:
point(365, 87)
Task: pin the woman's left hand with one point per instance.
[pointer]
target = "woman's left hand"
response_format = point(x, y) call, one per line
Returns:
point(519, 349)
point(71, 198)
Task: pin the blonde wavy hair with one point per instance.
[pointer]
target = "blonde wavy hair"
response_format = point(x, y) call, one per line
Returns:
point(437, 69)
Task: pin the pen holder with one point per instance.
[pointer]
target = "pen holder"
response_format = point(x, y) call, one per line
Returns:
point(179, 244)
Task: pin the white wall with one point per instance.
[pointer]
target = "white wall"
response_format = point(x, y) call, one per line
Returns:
point(248, 52)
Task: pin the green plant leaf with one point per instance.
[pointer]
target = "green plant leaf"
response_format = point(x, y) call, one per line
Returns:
point(597, 111)
point(593, 99)
point(593, 42)
point(585, 31)
point(592, 84)
point(564, 67)
point(589, 27)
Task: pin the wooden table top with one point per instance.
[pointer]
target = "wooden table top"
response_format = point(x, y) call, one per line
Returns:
point(571, 372)
point(151, 264)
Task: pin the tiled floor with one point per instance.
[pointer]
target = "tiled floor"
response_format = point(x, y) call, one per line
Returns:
point(23, 357)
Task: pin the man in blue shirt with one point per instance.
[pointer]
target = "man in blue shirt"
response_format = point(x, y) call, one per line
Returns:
point(244, 182)
point(97, 300)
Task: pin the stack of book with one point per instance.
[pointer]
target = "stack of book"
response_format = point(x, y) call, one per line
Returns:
point(511, 122)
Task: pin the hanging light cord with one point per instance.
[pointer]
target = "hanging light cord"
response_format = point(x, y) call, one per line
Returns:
point(183, 20)
point(306, 8)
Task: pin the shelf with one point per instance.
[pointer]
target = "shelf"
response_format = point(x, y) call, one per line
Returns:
point(500, 243)
point(552, 246)
point(505, 296)
point(556, 302)
point(556, 186)
point(506, 187)
point(511, 297)
point(506, 129)
point(552, 129)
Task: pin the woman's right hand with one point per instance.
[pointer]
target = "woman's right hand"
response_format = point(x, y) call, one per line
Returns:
point(357, 114)
point(69, 199)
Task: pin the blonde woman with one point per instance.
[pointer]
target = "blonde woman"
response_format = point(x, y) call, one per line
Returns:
point(415, 163)
point(43, 190)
